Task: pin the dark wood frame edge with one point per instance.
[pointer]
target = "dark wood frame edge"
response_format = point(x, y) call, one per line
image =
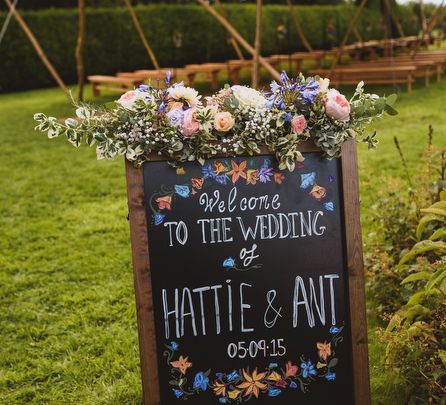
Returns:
point(355, 268)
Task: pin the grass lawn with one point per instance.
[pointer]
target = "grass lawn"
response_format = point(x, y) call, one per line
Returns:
point(67, 326)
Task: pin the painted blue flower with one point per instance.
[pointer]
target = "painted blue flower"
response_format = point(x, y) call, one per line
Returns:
point(222, 179)
point(182, 191)
point(330, 376)
point(174, 345)
point(273, 392)
point(331, 179)
point(273, 365)
point(177, 393)
point(158, 218)
point(265, 174)
point(308, 369)
point(175, 117)
point(307, 179)
point(219, 375)
point(233, 376)
point(329, 206)
point(334, 330)
point(208, 171)
point(201, 381)
point(229, 262)
point(293, 385)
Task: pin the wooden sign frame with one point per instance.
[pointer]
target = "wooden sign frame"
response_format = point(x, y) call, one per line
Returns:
point(354, 264)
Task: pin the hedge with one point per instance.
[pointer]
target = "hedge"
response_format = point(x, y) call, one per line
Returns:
point(113, 45)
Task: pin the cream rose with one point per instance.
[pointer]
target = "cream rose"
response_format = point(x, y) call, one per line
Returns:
point(337, 106)
point(223, 121)
point(248, 97)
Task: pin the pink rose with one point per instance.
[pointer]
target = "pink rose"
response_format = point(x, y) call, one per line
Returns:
point(127, 100)
point(190, 124)
point(298, 123)
point(224, 121)
point(337, 106)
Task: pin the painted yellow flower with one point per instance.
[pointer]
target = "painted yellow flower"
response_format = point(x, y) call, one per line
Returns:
point(252, 176)
point(253, 383)
point(274, 376)
point(181, 364)
point(234, 394)
point(219, 168)
point(219, 388)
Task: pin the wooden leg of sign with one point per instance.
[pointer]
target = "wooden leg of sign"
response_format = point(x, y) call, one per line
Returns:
point(355, 269)
point(143, 290)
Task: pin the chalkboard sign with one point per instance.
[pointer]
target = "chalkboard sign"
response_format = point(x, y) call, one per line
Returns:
point(249, 281)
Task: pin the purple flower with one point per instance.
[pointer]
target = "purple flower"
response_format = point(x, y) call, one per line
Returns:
point(265, 174)
point(162, 107)
point(175, 117)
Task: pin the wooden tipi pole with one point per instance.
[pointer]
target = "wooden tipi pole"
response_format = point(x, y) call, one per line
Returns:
point(352, 24)
point(299, 27)
point(80, 51)
point(37, 47)
point(232, 41)
point(242, 41)
point(257, 45)
point(141, 34)
point(395, 20)
point(438, 12)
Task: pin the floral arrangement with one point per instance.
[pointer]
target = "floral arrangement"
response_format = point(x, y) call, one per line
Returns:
point(176, 122)
point(242, 385)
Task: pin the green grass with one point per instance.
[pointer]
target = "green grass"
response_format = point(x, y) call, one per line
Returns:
point(67, 326)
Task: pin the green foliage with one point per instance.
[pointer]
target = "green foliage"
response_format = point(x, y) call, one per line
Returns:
point(416, 334)
point(112, 43)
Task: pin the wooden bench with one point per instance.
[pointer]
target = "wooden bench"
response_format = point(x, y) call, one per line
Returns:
point(235, 66)
point(424, 68)
point(438, 62)
point(146, 74)
point(211, 70)
point(112, 83)
point(371, 75)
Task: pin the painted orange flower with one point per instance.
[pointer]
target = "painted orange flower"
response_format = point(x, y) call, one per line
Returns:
point(164, 202)
point(197, 183)
point(290, 369)
point(278, 177)
point(252, 176)
point(324, 350)
point(181, 364)
point(237, 171)
point(219, 168)
point(219, 388)
point(253, 383)
point(318, 192)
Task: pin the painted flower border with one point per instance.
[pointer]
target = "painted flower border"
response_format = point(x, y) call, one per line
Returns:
point(228, 171)
point(242, 385)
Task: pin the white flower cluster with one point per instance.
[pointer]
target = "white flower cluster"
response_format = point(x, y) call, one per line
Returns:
point(258, 124)
point(249, 98)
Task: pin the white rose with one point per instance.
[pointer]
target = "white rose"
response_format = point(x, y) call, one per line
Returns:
point(128, 99)
point(248, 97)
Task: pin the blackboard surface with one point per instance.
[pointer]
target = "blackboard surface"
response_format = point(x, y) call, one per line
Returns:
point(249, 283)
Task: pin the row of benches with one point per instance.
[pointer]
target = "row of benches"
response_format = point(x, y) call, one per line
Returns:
point(401, 69)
